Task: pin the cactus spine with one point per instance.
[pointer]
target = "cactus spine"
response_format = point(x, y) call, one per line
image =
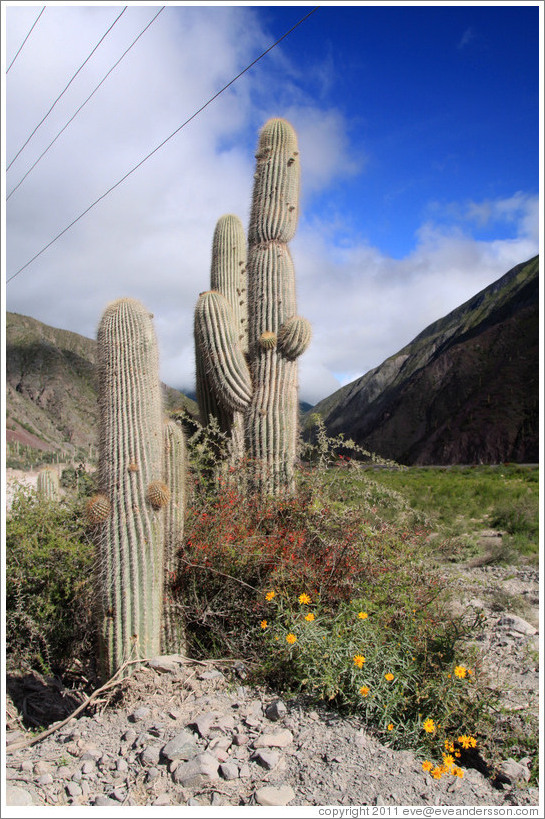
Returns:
point(277, 336)
point(130, 540)
point(172, 636)
point(228, 278)
point(48, 485)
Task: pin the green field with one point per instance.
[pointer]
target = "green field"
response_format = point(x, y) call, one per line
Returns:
point(458, 503)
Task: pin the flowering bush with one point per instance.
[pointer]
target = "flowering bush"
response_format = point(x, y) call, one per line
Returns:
point(316, 599)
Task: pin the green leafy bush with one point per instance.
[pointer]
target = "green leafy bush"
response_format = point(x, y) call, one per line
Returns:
point(48, 593)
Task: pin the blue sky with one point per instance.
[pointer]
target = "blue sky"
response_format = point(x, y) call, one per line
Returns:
point(418, 130)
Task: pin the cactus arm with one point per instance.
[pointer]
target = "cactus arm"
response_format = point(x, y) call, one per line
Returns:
point(216, 338)
point(294, 337)
point(228, 271)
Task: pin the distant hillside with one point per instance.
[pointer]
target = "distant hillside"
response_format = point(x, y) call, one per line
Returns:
point(51, 389)
point(465, 390)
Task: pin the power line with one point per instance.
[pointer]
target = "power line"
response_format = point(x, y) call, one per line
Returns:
point(119, 182)
point(83, 104)
point(66, 88)
point(26, 38)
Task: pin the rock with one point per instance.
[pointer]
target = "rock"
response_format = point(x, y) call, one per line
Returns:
point(268, 759)
point(275, 710)
point(105, 802)
point(226, 722)
point(240, 739)
point(517, 624)
point(182, 746)
point(163, 799)
point(244, 771)
point(510, 771)
point(151, 755)
point(204, 722)
point(202, 768)
point(211, 675)
point(18, 796)
point(268, 795)
point(14, 736)
point(73, 789)
point(129, 736)
point(166, 663)
point(45, 779)
point(139, 714)
point(229, 770)
point(279, 740)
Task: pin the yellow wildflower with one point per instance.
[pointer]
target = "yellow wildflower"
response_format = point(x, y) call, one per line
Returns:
point(269, 596)
point(437, 773)
point(291, 639)
point(448, 760)
point(457, 772)
point(359, 660)
point(429, 725)
point(363, 615)
point(427, 765)
point(449, 746)
point(264, 624)
point(460, 671)
point(390, 727)
point(309, 617)
point(364, 691)
point(389, 677)
point(304, 598)
point(466, 741)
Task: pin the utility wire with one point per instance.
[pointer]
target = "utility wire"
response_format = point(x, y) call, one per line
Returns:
point(66, 88)
point(26, 38)
point(83, 104)
point(104, 195)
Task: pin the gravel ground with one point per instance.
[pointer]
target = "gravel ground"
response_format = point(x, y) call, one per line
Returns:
point(182, 733)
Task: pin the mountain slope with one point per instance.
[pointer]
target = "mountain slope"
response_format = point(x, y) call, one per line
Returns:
point(51, 387)
point(465, 390)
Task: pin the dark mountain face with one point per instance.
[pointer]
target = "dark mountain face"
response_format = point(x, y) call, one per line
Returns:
point(463, 391)
point(51, 387)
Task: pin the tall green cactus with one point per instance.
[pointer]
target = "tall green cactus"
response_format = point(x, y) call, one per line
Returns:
point(129, 511)
point(47, 484)
point(228, 277)
point(277, 336)
point(267, 390)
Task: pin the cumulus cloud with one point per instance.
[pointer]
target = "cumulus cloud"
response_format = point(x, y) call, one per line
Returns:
point(366, 306)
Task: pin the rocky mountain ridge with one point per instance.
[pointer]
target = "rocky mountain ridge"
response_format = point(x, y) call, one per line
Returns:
point(465, 390)
point(51, 402)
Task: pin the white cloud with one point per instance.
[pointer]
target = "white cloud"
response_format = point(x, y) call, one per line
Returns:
point(366, 306)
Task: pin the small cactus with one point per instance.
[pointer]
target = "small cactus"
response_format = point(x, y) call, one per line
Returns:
point(98, 509)
point(48, 485)
point(158, 494)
